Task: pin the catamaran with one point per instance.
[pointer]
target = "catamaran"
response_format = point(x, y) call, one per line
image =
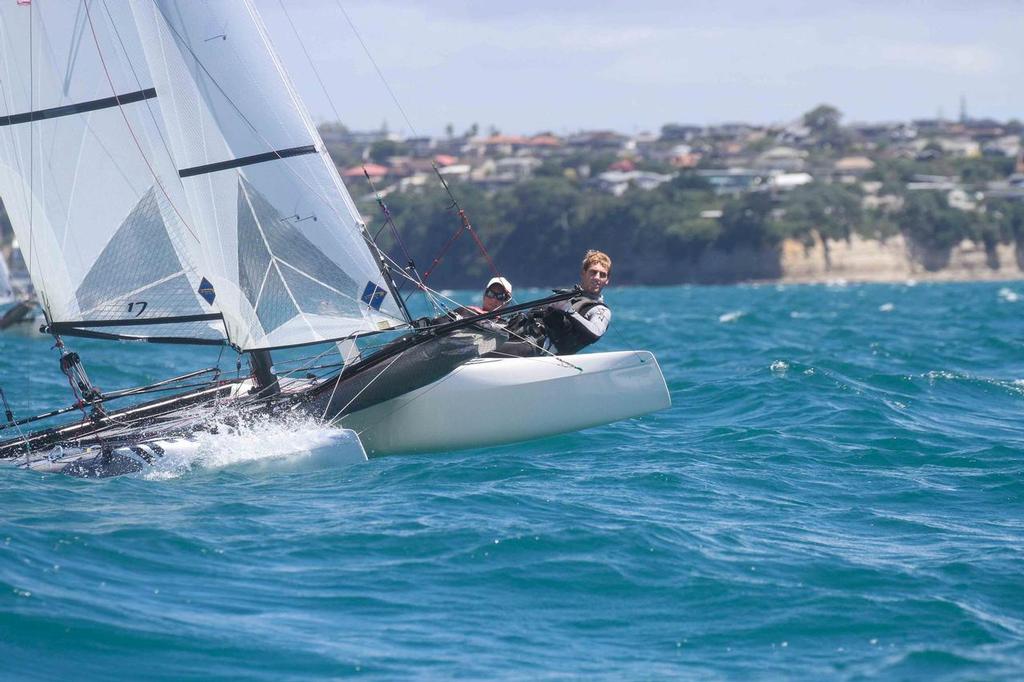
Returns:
point(167, 185)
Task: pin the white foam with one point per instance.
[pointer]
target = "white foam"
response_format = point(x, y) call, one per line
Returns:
point(264, 443)
point(887, 307)
point(1009, 295)
point(732, 316)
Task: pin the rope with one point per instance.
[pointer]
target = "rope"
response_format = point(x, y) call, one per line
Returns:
point(9, 413)
point(368, 384)
point(465, 226)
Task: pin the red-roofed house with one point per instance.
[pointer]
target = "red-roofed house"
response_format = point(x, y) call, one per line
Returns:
point(544, 141)
point(374, 170)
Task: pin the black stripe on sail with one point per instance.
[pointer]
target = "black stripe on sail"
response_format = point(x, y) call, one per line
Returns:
point(63, 327)
point(247, 160)
point(80, 108)
point(182, 340)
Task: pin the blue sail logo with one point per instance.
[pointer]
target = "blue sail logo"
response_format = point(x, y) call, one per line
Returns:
point(206, 291)
point(373, 295)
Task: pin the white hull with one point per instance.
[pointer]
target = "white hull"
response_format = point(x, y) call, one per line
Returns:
point(490, 402)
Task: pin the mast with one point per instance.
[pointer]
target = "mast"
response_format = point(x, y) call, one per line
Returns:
point(263, 373)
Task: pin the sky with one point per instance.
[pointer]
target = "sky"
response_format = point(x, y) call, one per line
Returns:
point(528, 66)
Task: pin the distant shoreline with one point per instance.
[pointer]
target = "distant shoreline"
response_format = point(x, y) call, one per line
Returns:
point(896, 260)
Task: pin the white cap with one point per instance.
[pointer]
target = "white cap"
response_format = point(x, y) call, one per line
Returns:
point(505, 284)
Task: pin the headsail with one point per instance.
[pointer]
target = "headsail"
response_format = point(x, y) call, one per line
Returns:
point(284, 247)
point(87, 179)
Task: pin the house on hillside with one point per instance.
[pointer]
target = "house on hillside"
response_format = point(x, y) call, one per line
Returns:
point(374, 170)
point(618, 182)
point(733, 180)
point(1007, 145)
point(597, 140)
point(849, 168)
point(782, 158)
point(787, 181)
point(960, 147)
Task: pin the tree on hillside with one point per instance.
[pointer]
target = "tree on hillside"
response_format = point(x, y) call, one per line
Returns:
point(833, 211)
point(933, 226)
point(746, 221)
point(674, 132)
point(823, 121)
point(382, 150)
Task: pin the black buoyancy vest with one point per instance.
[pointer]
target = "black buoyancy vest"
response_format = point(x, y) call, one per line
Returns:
point(568, 337)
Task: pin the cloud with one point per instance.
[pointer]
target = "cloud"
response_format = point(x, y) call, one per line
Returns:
point(962, 60)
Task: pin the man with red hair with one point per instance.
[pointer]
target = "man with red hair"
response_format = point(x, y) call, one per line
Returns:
point(574, 324)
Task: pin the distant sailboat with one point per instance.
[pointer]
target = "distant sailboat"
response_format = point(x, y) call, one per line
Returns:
point(167, 185)
point(6, 291)
point(18, 307)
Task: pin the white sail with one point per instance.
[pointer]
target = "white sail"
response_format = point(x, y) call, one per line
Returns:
point(284, 250)
point(87, 179)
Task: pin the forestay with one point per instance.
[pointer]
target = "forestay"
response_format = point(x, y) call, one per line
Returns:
point(87, 179)
point(284, 251)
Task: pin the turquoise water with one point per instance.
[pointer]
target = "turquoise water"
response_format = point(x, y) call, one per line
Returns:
point(835, 494)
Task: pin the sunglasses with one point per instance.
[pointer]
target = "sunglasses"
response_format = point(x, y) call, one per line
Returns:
point(499, 295)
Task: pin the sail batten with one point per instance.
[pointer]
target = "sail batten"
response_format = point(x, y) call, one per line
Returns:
point(79, 108)
point(137, 322)
point(247, 160)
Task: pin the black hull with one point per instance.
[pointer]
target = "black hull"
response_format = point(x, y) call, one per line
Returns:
point(122, 442)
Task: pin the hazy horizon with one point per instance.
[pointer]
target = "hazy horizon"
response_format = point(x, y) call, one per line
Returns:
point(634, 67)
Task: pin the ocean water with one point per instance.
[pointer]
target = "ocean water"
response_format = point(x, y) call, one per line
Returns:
point(836, 493)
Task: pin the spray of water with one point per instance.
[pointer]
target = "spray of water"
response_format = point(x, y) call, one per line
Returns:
point(279, 443)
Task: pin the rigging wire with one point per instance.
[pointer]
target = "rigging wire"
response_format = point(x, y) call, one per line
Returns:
point(376, 68)
point(462, 214)
point(411, 264)
point(309, 59)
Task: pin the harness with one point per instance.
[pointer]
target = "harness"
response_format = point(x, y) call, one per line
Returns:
point(567, 337)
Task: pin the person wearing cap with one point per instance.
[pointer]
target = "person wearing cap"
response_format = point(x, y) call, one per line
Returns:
point(497, 293)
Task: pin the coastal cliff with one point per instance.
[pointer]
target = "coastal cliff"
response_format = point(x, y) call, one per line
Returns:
point(895, 259)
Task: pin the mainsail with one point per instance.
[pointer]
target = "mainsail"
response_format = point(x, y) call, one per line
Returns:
point(83, 172)
point(285, 250)
point(165, 182)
